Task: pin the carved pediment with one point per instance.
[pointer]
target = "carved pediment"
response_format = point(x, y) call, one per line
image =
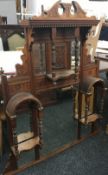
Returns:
point(61, 15)
point(64, 10)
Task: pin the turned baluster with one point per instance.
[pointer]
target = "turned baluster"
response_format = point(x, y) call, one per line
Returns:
point(102, 101)
point(77, 48)
point(40, 116)
point(87, 105)
point(75, 101)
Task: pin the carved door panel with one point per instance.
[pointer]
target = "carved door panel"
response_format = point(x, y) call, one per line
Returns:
point(59, 51)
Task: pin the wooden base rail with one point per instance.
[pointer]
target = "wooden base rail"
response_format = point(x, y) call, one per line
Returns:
point(52, 154)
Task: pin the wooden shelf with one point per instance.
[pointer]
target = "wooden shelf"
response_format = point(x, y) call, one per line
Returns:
point(26, 142)
point(61, 74)
point(91, 118)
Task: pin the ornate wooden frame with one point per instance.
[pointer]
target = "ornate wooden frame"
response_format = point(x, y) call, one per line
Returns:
point(56, 30)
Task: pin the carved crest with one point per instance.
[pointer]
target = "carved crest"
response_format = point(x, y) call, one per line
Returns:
point(63, 10)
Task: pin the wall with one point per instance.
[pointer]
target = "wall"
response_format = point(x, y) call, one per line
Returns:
point(8, 8)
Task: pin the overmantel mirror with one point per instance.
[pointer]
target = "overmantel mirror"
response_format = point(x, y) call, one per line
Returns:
point(57, 49)
point(47, 85)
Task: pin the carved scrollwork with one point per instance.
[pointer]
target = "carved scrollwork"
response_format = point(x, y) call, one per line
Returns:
point(91, 41)
point(24, 68)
